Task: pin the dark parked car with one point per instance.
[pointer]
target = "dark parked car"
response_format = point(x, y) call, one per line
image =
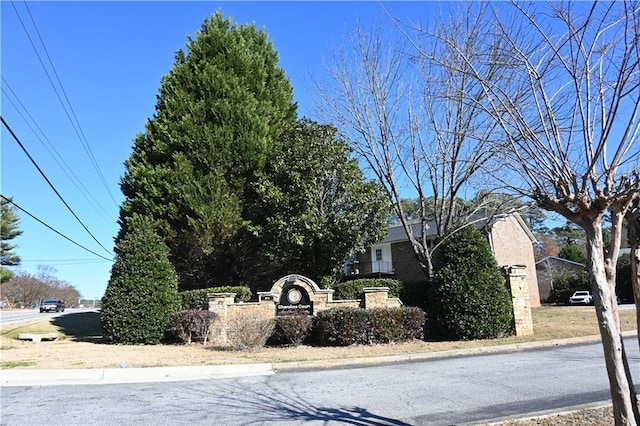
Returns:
point(52, 305)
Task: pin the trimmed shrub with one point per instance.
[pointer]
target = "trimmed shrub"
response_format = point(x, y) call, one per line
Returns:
point(199, 299)
point(342, 327)
point(565, 284)
point(470, 297)
point(291, 329)
point(247, 331)
point(397, 324)
point(386, 325)
point(414, 321)
point(191, 326)
point(142, 294)
point(348, 326)
point(349, 290)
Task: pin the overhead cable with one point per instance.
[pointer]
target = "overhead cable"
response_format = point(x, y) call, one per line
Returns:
point(49, 182)
point(70, 111)
point(9, 200)
point(51, 149)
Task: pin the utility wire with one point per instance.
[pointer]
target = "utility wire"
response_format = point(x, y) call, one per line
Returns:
point(9, 200)
point(49, 182)
point(74, 121)
point(68, 171)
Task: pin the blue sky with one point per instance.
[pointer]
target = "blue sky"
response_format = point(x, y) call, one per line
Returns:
point(110, 57)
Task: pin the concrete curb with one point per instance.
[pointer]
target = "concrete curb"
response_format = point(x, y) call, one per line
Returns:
point(422, 356)
point(101, 376)
point(34, 377)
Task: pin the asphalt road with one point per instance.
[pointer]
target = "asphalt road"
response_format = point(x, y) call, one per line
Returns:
point(436, 392)
point(22, 316)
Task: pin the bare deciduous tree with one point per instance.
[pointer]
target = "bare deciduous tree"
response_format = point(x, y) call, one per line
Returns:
point(410, 120)
point(25, 289)
point(570, 110)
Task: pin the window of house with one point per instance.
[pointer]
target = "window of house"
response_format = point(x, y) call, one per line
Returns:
point(378, 254)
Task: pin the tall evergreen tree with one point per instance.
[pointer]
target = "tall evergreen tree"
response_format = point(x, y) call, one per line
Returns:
point(142, 293)
point(311, 208)
point(220, 110)
point(8, 231)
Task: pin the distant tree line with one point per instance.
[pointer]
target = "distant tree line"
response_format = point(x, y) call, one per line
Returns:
point(25, 289)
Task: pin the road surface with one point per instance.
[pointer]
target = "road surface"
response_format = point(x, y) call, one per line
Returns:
point(436, 392)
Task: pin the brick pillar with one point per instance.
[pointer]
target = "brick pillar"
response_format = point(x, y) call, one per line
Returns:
point(520, 299)
point(375, 297)
point(218, 303)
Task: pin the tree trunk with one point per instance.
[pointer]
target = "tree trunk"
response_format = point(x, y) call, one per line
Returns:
point(620, 383)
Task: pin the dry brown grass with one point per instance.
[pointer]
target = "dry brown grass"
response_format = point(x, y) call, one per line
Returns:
point(81, 349)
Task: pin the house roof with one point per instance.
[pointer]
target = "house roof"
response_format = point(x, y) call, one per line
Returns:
point(397, 233)
point(558, 259)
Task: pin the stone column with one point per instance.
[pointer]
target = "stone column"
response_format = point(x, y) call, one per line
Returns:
point(375, 297)
point(520, 299)
point(218, 303)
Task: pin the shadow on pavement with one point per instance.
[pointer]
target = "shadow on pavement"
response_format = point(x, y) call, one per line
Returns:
point(272, 406)
point(81, 326)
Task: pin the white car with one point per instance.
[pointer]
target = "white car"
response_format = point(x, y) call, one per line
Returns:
point(581, 298)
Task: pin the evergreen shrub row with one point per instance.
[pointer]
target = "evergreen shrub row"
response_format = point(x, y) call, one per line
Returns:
point(348, 326)
point(291, 330)
point(199, 299)
point(353, 289)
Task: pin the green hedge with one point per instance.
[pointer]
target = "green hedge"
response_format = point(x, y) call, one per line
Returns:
point(199, 299)
point(349, 290)
point(291, 330)
point(348, 326)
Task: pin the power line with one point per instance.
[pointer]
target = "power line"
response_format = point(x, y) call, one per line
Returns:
point(75, 123)
point(68, 171)
point(49, 182)
point(9, 200)
point(60, 262)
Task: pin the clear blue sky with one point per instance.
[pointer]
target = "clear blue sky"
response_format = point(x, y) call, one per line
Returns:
point(110, 57)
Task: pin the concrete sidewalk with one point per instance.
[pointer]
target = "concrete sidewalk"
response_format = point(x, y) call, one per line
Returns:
point(103, 376)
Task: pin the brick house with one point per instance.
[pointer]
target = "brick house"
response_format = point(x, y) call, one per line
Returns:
point(510, 239)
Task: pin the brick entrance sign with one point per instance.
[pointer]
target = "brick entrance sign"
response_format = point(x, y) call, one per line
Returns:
point(290, 294)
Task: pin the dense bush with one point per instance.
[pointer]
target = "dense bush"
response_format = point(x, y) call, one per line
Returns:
point(349, 290)
point(191, 326)
point(342, 327)
point(142, 293)
point(247, 331)
point(470, 297)
point(291, 329)
point(348, 326)
point(397, 324)
point(416, 293)
point(565, 284)
point(199, 299)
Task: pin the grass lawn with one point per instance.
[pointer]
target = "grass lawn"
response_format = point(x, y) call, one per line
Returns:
point(79, 344)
